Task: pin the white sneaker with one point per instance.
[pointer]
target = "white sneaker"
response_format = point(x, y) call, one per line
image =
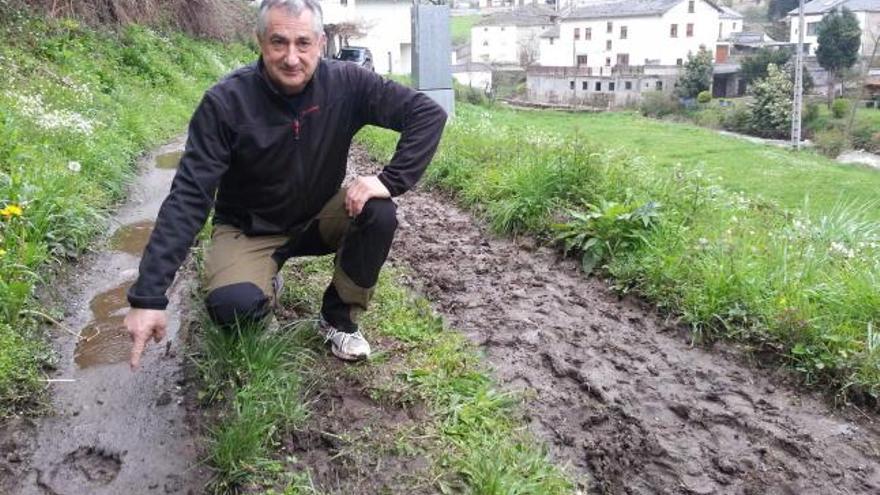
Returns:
point(345, 346)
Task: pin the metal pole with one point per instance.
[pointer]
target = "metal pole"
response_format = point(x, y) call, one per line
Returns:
point(798, 82)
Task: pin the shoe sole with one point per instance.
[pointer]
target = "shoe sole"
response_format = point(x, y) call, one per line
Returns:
point(347, 357)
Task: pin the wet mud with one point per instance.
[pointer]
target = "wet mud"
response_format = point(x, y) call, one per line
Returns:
point(111, 431)
point(132, 238)
point(170, 160)
point(620, 396)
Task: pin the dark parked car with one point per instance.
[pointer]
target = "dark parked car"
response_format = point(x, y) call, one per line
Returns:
point(357, 54)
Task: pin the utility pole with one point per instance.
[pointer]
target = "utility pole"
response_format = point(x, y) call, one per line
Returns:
point(798, 103)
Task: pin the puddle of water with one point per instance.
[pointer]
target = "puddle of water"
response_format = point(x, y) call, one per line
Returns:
point(104, 340)
point(132, 238)
point(169, 160)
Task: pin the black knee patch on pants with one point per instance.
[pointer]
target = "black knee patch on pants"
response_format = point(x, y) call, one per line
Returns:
point(379, 214)
point(237, 302)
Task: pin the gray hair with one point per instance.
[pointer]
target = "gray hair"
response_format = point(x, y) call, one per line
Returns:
point(294, 8)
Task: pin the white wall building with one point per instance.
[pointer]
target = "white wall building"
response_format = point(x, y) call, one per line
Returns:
point(632, 33)
point(388, 28)
point(866, 11)
point(503, 37)
point(729, 22)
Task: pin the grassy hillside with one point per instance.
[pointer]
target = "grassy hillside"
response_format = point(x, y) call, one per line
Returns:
point(77, 106)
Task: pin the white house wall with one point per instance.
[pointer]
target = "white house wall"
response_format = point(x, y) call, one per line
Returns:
point(648, 38)
point(552, 54)
point(389, 28)
point(726, 27)
point(869, 22)
point(494, 44)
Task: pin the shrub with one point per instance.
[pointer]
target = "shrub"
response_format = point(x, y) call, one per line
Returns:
point(737, 119)
point(865, 136)
point(840, 108)
point(771, 110)
point(658, 104)
point(710, 117)
point(704, 97)
point(831, 142)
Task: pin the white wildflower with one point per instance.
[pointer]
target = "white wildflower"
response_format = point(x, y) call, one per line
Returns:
point(839, 248)
point(74, 166)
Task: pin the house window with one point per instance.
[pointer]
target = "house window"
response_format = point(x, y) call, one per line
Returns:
point(659, 85)
point(689, 30)
point(609, 27)
point(502, 28)
point(812, 28)
point(623, 59)
point(691, 7)
point(588, 33)
point(343, 2)
point(679, 61)
point(734, 26)
point(673, 31)
point(551, 41)
point(485, 42)
point(577, 33)
point(570, 84)
point(720, 30)
point(623, 32)
point(485, 30)
point(584, 85)
point(598, 85)
point(611, 86)
point(608, 44)
point(627, 85)
point(608, 61)
point(581, 60)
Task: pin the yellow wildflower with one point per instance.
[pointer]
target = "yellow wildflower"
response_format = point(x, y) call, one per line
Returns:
point(2, 252)
point(11, 211)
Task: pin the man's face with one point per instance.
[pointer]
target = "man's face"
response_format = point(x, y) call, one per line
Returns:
point(291, 49)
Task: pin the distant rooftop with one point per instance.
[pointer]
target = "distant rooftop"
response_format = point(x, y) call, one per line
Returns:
point(626, 8)
point(729, 13)
point(823, 6)
point(551, 32)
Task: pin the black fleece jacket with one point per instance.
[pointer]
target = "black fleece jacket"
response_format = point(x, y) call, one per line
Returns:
point(273, 160)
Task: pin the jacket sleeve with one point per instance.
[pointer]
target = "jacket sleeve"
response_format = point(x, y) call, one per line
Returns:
point(418, 118)
point(184, 211)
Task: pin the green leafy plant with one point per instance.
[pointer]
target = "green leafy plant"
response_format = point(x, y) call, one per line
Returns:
point(704, 97)
point(605, 230)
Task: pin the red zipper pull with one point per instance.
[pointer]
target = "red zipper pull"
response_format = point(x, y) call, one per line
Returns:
point(296, 129)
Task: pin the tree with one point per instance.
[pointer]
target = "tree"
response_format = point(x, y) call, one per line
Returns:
point(778, 9)
point(839, 41)
point(697, 74)
point(771, 109)
point(754, 66)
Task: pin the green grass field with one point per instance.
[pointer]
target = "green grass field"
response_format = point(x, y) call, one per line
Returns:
point(792, 179)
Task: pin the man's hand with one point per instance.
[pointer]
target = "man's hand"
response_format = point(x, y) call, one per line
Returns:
point(142, 325)
point(363, 189)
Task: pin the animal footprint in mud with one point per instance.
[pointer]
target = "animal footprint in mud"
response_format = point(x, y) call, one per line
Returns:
point(83, 468)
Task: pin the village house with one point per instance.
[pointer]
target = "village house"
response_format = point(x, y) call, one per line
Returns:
point(866, 11)
point(609, 53)
point(510, 37)
point(383, 26)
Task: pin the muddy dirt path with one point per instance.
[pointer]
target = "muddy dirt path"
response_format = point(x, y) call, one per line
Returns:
point(112, 432)
point(618, 394)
